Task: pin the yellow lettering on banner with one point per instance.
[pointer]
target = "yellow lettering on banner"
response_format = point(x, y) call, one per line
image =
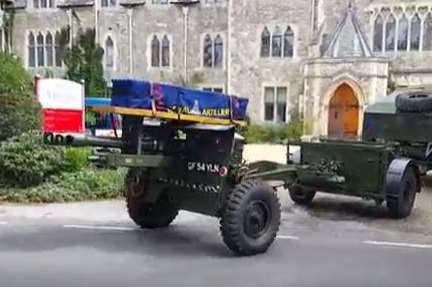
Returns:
point(216, 112)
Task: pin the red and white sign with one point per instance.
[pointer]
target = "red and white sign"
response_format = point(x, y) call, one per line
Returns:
point(62, 104)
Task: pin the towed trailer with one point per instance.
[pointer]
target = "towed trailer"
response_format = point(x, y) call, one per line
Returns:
point(183, 153)
point(385, 165)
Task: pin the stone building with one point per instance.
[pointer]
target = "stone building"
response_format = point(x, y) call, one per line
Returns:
point(322, 61)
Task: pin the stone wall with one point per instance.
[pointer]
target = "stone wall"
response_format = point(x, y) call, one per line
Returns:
point(240, 24)
point(249, 73)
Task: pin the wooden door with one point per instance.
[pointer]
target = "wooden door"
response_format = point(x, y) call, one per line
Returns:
point(343, 113)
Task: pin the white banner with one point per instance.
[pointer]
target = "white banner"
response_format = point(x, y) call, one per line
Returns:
point(60, 94)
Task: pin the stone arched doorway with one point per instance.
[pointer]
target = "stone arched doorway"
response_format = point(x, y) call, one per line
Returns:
point(343, 116)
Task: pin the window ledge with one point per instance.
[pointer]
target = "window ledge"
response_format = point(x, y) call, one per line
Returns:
point(43, 10)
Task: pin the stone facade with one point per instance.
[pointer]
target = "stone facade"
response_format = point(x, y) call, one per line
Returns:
point(332, 44)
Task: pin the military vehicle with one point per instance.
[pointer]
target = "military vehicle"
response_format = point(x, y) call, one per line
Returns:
point(183, 153)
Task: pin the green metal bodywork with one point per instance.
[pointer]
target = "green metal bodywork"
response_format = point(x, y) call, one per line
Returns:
point(350, 168)
point(194, 166)
point(410, 131)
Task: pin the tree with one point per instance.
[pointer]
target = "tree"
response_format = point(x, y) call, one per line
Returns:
point(19, 109)
point(84, 62)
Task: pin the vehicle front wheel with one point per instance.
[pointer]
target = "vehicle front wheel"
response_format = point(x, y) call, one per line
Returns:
point(251, 217)
point(301, 195)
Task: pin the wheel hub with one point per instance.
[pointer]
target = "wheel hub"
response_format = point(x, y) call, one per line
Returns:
point(257, 219)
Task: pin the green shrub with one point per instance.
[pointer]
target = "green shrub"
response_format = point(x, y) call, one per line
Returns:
point(88, 184)
point(14, 79)
point(18, 115)
point(19, 109)
point(273, 133)
point(77, 158)
point(25, 161)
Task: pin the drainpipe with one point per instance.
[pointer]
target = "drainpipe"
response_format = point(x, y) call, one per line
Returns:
point(130, 15)
point(96, 20)
point(228, 48)
point(69, 13)
point(185, 10)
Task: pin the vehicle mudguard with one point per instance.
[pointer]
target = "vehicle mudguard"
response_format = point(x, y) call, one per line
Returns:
point(395, 174)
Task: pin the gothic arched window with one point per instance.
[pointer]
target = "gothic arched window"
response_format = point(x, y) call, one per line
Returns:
point(415, 33)
point(427, 33)
point(40, 50)
point(155, 52)
point(218, 51)
point(208, 51)
point(265, 43)
point(378, 34)
point(109, 53)
point(49, 49)
point(31, 50)
point(403, 34)
point(390, 40)
point(277, 43)
point(165, 51)
point(288, 50)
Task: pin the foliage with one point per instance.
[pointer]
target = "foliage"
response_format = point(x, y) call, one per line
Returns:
point(84, 62)
point(88, 184)
point(273, 133)
point(19, 109)
point(26, 161)
point(77, 158)
point(18, 115)
point(31, 171)
point(14, 79)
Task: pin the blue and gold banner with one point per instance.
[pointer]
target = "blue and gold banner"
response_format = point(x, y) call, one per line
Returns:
point(173, 99)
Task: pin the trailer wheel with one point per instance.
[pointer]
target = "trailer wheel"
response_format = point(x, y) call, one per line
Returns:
point(401, 197)
point(144, 214)
point(251, 217)
point(301, 195)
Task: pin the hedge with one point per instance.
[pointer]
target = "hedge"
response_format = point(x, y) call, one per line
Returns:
point(88, 184)
point(273, 133)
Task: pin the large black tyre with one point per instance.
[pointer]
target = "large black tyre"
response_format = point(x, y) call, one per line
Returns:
point(402, 205)
point(414, 102)
point(251, 218)
point(147, 215)
point(301, 195)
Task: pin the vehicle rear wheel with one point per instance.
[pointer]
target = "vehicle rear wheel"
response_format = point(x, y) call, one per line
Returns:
point(401, 206)
point(301, 195)
point(145, 214)
point(251, 217)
